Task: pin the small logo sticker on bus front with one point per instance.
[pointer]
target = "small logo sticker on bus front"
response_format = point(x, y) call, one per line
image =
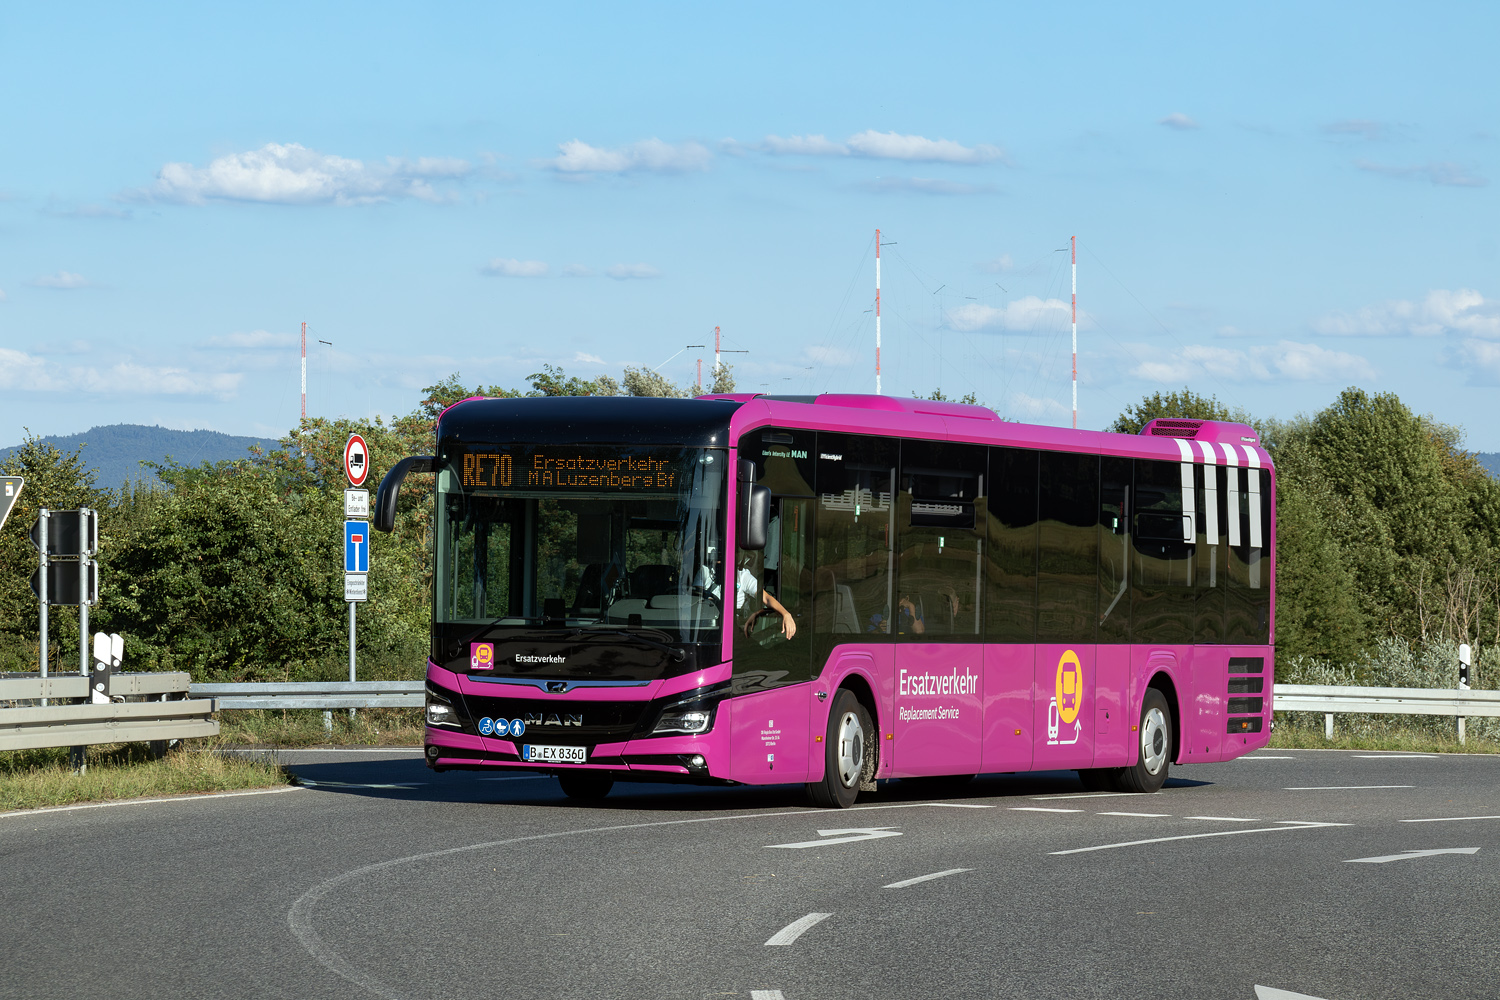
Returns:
point(481, 656)
point(487, 726)
point(502, 728)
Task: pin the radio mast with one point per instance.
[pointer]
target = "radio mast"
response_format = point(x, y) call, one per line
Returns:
point(1073, 246)
point(877, 312)
point(304, 369)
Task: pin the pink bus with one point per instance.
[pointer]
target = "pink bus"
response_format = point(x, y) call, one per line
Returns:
point(838, 589)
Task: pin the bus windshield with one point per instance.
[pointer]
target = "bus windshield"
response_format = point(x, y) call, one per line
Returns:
point(545, 537)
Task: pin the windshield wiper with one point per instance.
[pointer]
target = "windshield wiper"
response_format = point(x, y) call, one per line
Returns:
point(676, 654)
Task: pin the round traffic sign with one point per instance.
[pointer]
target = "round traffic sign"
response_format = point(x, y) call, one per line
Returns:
point(356, 460)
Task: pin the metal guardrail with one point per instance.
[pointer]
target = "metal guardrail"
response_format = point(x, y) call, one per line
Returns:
point(164, 713)
point(1377, 700)
point(314, 694)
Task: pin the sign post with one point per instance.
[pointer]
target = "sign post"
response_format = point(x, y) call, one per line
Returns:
point(356, 537)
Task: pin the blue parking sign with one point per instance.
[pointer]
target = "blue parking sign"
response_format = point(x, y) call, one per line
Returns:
point(356, 547)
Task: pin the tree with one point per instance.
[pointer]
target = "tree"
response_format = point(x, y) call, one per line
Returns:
point(1186, 404)
point(551, 381)
point(645, 382)
point(939, 397)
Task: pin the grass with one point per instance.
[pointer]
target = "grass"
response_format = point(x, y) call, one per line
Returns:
point(31, 779)
point(370, 727)
point(1364, 732)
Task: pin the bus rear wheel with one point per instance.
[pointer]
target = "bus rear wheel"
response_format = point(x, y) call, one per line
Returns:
point(848, 753)
point(585, 787)
point(1150, 771)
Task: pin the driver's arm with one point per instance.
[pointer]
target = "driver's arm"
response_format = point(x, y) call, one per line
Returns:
point(788, 626)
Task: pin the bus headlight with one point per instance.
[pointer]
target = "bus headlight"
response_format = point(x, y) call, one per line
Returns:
point(688, 720)
point(440, 713)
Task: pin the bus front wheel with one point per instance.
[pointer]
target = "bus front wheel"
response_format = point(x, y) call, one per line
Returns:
point(1150, 771)
point(585, 787)
point(848, 753)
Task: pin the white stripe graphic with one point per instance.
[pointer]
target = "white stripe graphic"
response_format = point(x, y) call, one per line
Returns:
point(1210, 497)
point(1252, 456)
point(1189, 504)
point(1185, 449)
point(1231, 457)
point(1254, 491)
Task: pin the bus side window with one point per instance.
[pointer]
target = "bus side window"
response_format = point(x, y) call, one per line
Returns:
point(1114, 550)
point(1161, 565)
point(1010, 539)
point(939, 569)
point(1068, 549)
point(856, 513)
point(1249, 604)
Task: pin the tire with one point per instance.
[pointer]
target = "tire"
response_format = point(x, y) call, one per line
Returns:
point(849, 751)
point(585, 787)
point(1150, 771)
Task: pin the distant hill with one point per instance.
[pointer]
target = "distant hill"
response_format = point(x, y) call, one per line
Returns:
point(1491, 462)
point(115, 452)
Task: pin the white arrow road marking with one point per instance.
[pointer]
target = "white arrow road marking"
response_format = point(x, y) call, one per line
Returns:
point(1340, 788)
point(1405, 855)
point(926, 878)
point(849, 837)
point(797, 928)
point(1269, 993)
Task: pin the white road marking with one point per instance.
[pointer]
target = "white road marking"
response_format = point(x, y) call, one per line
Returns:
point(951, 805)
point(766, 995)
point(1042, 809)
point(1263, 756)
point(852, 835)
point(1339, 788)
point(1270, 993)
point(405, 787)
point(1290, 825)
point(197, 797)
point(797, 928)
point(1394, 756)
point(1084, 795)
point(925, 878)
point(1408, 855)
point(1225, 819)
point(1448, 819)
point(1143, 815)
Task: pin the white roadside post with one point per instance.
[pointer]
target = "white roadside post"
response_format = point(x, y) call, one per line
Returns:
point(1464, 657)
point(356, 543)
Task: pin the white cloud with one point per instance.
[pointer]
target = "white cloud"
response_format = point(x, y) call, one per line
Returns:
point(648, 155)
point(1019, 404)
point(623, 272)
point(508, 267)
point(1441, 174)
point(21, 371)
point(588, 359)
point(291, 174)
point(2, 295)
point(64, 280)
point(998, 265)
point(1480, 359)
point(1284, 361)
point(1023, 314)
point(577, 271)
point(833, 357)
point(874, 145)
point(1179, 121)
point(925, 185)
point(1442, 311)
point(252, 340)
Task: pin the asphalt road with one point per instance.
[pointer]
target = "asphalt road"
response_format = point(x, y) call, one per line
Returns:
point(382, 879)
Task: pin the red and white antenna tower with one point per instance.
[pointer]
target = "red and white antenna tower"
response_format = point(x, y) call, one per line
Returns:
point(700, 373)
point(1073, 246)
point(716, 351)
point(304, 369)
point(877, 312)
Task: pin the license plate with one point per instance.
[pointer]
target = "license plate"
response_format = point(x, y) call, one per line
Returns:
point(553, 755)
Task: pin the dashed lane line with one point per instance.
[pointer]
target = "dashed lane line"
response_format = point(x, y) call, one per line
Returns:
point(766, 995)
point(1448, 819)
point(1339, 788)
point(1142, 815)
point(1263, 756)
point(1229, 819)
point(925, 878)
point(792, 931)
point(1286, 824)
point(1042, 809)
point(1394, 756)
point(1085, 795)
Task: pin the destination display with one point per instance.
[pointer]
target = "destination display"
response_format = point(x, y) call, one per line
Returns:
point(624, 468)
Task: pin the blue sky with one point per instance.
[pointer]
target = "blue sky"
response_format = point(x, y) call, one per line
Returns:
point(1270, 204)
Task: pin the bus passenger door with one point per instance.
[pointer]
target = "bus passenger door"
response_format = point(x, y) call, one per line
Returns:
point(1065, 708)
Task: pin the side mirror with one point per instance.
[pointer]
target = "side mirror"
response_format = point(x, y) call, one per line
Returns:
point(384, 514)
point(752, 527)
